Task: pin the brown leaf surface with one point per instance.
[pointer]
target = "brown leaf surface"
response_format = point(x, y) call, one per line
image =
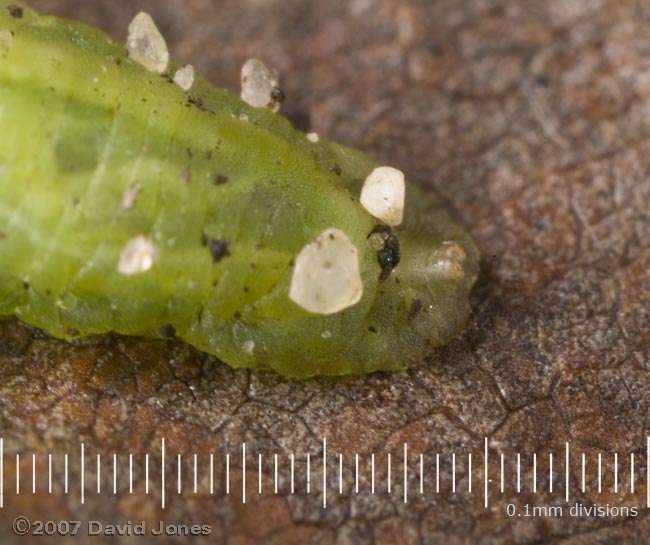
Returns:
point(531, 120)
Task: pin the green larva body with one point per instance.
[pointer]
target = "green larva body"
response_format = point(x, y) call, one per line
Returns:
point(227, 193)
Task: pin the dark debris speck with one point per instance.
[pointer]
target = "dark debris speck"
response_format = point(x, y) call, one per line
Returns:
point(168, 331)
point(219, 249)
point(414, 311)
point(389, 256)
point(196, 101)
point(336, 169)
point(277, 94)
point(15, 11)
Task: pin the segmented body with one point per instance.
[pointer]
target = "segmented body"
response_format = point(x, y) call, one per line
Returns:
point(97, 150)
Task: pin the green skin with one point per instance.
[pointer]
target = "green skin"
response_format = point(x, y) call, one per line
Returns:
point(72, 145)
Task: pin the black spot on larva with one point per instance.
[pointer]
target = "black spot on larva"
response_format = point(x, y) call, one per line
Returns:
point(245, 289)
point(372, 329)
point(237, 315)
point(168, 331)
point(189, 152)
point(15, 11)
point(335, 169)
point(388, 256)
point(220, 179)
point(208, 154)
point(277, 94)
point(71, 331)
point(26, 286)
point(167, 77)
point(414, 311)
point(219, 249)
point(204, 239)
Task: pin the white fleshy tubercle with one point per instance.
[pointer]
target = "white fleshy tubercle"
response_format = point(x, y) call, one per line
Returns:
point(383, 193)
point(184, 77)
point(138, 256)
point(146, 44)
point(326, 276)
point(447, 261)
point(259, 85)
point(248, 347)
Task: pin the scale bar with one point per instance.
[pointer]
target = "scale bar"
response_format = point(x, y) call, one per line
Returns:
point(603, 469)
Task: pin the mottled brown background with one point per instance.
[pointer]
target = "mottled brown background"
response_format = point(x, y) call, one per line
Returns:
point(531, 119)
